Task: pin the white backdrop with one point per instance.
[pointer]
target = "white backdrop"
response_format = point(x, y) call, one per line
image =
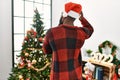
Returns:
point(104, 15)
point(5, 39)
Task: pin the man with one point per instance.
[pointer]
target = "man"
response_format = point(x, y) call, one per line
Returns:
point(64, 42)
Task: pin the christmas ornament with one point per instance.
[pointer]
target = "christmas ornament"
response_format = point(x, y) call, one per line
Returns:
point(30, 39)
point(21, 65)
point(41, 52)
point(34, 61)
point(35, 39)
point(40, 59)
point(41, 39)
point(26, 54)
point(41, 44)
point(20, 77)
point(35, 50)
point(35, 34)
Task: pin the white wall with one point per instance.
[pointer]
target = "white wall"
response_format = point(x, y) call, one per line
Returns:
point(104, 15)
point(57, 8)
point(5, 39)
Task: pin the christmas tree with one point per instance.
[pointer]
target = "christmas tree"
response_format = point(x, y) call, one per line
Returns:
point(32, 63)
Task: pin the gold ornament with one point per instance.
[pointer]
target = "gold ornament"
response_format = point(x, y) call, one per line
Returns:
point(26, 54)
point(34, 61)
point(20, 77)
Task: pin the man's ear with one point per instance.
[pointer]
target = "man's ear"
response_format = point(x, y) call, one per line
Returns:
point(63, 18)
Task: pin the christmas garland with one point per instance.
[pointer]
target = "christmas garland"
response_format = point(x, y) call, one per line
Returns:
point(41, 69)
point(113, 53)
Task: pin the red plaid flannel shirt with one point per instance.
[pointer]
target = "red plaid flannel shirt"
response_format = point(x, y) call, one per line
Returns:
point(65, 42)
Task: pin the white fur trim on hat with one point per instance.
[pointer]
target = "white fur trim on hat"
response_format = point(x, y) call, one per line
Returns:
point(73, 14)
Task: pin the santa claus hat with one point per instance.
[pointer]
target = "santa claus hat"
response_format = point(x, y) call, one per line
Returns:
point(72, 9)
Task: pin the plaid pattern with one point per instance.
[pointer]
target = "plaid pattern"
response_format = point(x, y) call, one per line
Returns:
point(65, 42)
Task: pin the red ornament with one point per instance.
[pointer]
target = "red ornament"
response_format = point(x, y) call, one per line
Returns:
point(26, 38)
point(40, 39)
point(115, 77)
point(35, 34)
point(21, 64)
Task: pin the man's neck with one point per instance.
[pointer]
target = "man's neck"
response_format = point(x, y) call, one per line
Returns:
point(68, 22)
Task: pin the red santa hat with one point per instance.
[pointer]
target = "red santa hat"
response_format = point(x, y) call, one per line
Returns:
point(73, 9)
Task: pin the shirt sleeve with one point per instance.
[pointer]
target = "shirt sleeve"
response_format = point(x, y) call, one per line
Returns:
point(46, 46)
point(87, 27)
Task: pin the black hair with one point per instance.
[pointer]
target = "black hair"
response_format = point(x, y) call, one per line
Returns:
point(71, 18)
